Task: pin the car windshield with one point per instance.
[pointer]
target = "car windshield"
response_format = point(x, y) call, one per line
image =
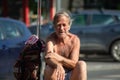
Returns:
point(9, 30)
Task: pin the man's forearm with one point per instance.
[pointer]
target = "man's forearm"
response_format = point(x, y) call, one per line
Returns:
point(53, 59)
point(52, 62)
point(68, 63)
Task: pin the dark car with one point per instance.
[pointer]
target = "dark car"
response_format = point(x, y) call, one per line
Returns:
point(44, 31)
point(13, 35)
point(98, 30)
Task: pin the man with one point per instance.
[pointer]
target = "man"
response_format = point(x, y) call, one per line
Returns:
point(62, 52)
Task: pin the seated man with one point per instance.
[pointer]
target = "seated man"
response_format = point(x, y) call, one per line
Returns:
point(62, 52)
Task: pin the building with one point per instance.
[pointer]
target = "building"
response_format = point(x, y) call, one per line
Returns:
point(26, 10)
point(20, 9)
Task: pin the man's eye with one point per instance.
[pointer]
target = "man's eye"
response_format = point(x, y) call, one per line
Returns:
point(64, 24)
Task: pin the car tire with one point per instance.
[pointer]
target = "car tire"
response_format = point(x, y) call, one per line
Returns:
point(115, 50)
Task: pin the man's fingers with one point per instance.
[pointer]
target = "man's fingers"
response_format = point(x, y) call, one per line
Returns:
point(63, 76)
point(48, 56)
point(60, 76)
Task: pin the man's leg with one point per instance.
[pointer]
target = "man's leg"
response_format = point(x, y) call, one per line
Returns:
point(80, 71)
point(49, 74)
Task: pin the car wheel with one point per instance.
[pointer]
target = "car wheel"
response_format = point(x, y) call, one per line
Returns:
point(115, 50)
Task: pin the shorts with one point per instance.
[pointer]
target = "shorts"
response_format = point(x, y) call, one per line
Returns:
point(67, 74)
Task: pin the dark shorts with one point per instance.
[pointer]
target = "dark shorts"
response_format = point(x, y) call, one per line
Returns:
point(67, 74)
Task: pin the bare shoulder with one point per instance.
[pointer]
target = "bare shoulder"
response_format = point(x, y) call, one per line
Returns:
point(74, 38)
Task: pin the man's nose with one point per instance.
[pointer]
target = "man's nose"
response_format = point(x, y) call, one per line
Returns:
point(61, 27)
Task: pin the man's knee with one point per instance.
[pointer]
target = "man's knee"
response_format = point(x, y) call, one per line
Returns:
point(81, 65)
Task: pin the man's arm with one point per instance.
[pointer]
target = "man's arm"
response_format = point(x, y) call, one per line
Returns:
point(58, 69)
point(49, 50)
point(74, 56)
point(68, 63)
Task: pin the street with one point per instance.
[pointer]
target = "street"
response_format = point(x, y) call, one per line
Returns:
point(103, 68)
point(98, 68)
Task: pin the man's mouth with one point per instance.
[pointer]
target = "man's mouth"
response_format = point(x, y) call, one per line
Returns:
point(61, 32)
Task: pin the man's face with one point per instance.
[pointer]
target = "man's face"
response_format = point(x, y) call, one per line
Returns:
point(62, 26)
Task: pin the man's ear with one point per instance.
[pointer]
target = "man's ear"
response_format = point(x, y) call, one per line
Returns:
point(69, 27)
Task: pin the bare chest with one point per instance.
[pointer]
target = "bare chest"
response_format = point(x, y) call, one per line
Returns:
point(63, 49)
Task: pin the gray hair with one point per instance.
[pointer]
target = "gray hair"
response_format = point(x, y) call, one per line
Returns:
point(62, 13)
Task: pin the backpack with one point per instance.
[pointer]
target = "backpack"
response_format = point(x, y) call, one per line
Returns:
point(28, 65)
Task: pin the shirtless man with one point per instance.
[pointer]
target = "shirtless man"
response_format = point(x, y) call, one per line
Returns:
point(62, 52)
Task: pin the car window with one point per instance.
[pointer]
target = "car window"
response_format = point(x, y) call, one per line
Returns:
point(10, 30)
point(33, 29)
point(94, 19)
point(80, 20)
point(1, 34)
point(119, 17)
point(101, 19)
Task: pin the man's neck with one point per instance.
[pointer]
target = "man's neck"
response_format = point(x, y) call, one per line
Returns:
point(63, 40)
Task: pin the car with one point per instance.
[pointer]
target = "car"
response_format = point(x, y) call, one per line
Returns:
point(45, 30)
point(13, 34)
point(98, 30)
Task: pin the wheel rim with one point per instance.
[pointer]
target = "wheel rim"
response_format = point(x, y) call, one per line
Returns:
point(116, 51)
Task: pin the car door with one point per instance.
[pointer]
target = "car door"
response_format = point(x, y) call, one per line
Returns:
point(93, 37)
point(10, 47)
point(4, 54)
point(93, 33)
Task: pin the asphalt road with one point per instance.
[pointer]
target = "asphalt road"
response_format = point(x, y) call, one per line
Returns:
point(98, 68)
point(102, 68)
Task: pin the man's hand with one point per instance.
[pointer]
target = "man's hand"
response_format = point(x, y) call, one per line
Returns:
point(54, 56)
point(60, 72)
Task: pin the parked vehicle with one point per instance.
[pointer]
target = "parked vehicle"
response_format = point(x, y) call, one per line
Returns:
point(45, 30)
point(13, 34)
point(98, 30)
